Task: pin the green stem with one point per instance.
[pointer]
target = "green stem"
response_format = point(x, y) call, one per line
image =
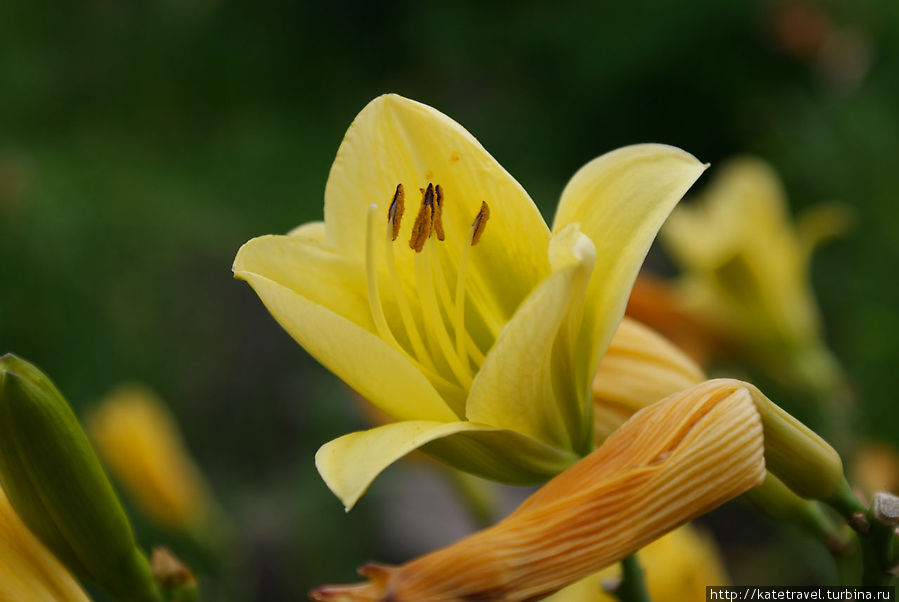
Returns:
point(478, 496)
point(877, 541)
point(632, 587)
point(877, 557)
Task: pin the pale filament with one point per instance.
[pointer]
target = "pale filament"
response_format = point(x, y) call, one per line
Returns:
point(450, 349)
point(377, 309)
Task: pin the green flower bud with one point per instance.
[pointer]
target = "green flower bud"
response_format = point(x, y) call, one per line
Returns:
point(55, 482)
point(797, 455)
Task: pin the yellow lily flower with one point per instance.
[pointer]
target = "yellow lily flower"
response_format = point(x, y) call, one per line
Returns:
point(141, 443)
point(746, 269)
point(480, 337)
point(678, 567)
point(28, 571)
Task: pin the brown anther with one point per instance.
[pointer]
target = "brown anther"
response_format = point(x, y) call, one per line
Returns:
point(395, 213)
point(438, 212)
point(424, 221)
point(480, 222)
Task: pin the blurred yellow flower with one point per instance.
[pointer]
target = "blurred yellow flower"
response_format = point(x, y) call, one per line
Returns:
point(28, 571)
point(479, 338)
point(141, 444)
point(745, 268)
point(678, 567)
point(669, 463)
point(876, 468)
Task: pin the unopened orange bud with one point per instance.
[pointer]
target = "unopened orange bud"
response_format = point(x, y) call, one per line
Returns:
point(669, 463)
point(639, 368)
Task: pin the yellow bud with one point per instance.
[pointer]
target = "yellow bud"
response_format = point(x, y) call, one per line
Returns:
point(55, 482)
point(140, 442)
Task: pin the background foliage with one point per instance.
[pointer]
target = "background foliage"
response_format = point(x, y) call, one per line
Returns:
point(142, 142)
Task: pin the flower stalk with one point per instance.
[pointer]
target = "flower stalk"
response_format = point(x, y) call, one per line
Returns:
point(632, 585)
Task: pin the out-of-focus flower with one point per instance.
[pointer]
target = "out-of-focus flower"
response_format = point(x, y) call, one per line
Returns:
point(655, 302)
point(669, 463)
point(876, 468)
point(678, 567)
point(28, 571)
point(480, 339)
point(745, 270)
point(55, 482)
point(141, 443)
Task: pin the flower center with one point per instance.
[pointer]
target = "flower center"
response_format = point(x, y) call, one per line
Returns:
point(431, 333)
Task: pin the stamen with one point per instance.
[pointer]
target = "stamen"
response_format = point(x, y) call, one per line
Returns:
point(421, 229)
point(438, 212)
point(436, 327)
point(371, 280)
point(462, 336)
point(377, 309)
point(409, 325)
point(480, 222)
point(395, 213)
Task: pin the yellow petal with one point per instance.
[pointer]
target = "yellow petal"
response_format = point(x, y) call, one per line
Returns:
point(745, 200)
point(350, 463)
point(821, 223)
point(399, 141)
point(304, 263)
point(28, 571)
point(304, 287)
point(621, 200)
point(517, 387)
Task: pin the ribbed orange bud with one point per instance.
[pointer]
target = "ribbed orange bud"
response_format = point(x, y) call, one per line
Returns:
point(639, 368)
point(669, 463)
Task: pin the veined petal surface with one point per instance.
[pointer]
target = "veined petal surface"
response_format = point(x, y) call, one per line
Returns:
point(395, 140)
point(517, 387)
point(621, 200)
point(275, 267)
point(350, 463)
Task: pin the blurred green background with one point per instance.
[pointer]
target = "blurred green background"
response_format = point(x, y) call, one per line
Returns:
point(141, 143)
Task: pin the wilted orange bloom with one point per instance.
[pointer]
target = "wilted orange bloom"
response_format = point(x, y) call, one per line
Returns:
point(639, 368)
point(669, 463)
